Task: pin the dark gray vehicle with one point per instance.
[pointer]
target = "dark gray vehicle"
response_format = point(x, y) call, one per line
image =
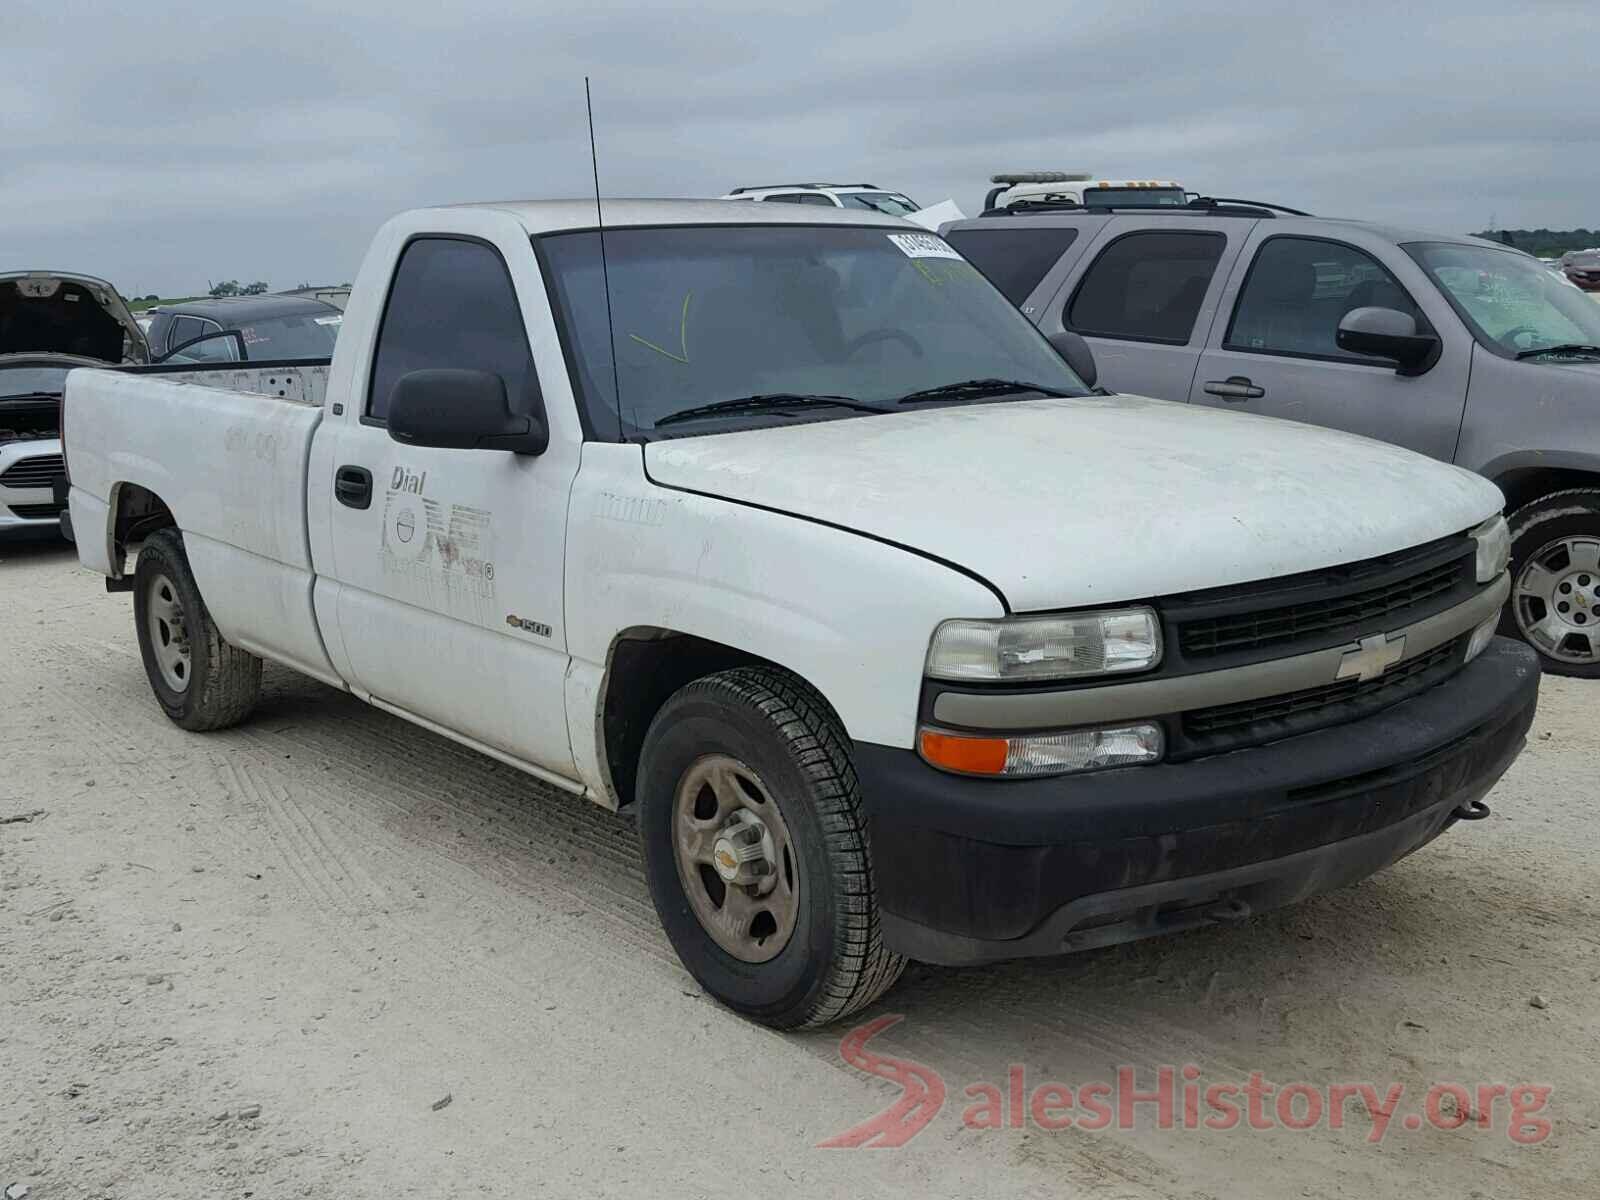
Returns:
point(245, 328)
point(1464, 349)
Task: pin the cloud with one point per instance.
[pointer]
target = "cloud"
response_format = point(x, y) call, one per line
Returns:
point(166, 143)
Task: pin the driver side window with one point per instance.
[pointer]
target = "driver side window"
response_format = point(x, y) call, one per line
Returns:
point(1299, 289)
point(452, 305)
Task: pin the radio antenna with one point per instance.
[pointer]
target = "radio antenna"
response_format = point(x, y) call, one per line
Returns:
point(605, 272)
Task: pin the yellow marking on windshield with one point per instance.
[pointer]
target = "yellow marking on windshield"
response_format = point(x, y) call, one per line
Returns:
point(683, 335)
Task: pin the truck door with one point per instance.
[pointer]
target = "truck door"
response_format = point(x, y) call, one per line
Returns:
point(1273, 351)
point(447, 564)
point(1146, 298)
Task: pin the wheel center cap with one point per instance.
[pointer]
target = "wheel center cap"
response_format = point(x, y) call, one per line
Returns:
point(727, 861)
point(740, 852)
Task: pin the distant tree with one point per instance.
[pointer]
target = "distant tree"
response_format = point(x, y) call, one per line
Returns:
point(254, 289)
point(228, 287)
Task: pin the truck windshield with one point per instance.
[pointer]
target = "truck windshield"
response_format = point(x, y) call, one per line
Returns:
point(1134, 197)
point(884, 202)
point(32, 381)
point(271, 338)
point(1512, 303)
point(704, 315)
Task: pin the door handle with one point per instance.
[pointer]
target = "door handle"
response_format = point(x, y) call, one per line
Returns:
point(1234, 389)
point(353, 487)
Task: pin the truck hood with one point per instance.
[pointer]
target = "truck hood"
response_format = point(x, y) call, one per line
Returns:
point(1100, 500)
point(57, 312)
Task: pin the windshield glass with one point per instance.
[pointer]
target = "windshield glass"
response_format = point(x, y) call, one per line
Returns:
point(27, 381)
point(884, 202)
point(1511, 302)
point(1135, 197)
point(308, 335)
point(705, 315)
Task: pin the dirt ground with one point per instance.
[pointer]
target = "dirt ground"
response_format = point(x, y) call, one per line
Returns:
point(258, 963)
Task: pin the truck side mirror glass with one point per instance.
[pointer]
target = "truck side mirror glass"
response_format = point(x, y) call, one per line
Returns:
point(464, 410)
point(1388, 333)
point(1075, 351)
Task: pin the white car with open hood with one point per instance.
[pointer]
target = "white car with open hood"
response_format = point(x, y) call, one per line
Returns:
point(799, 542)
point(50, 323)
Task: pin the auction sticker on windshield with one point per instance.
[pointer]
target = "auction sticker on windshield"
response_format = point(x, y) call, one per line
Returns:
point(924, 245)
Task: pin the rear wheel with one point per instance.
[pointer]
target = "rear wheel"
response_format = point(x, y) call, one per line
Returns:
point(755, 849)
point(1555, 574)
point(200, 681)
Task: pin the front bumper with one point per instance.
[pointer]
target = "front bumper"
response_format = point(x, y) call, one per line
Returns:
point(29, 505)
point(972, 870)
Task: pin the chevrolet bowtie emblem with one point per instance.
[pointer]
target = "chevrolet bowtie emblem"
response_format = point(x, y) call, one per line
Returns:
point(1372, 657)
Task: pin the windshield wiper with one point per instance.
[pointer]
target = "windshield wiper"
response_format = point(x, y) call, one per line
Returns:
point(765, 402)
point(1566, 348)
point(974, 388)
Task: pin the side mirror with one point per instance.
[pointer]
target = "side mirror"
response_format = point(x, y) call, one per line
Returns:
point(1077, 354)
point(463, 410)
point(216, 335)
point(1388, 333)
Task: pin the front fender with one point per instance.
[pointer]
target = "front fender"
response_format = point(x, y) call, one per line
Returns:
point(850, 615)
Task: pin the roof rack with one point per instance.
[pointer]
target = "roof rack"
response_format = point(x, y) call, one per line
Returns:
point(1220, 201)
point(1201, 206)
point(766, 187)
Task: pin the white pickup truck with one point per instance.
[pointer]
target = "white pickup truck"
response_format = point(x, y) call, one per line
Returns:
point(781, 528)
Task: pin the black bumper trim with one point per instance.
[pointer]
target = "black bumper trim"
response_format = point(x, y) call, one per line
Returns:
point(971, 870)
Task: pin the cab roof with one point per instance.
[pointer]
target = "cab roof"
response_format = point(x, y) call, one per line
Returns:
point(548, 216)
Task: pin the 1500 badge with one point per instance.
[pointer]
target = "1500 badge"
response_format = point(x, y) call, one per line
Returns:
point(527, 626)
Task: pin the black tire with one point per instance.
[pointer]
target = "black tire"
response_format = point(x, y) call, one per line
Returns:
point(834, 962)
point(222, 681)
point(1534, 528)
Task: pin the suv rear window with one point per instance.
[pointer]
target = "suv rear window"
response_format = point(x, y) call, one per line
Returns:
point(1014, 260)
point(1147, 287)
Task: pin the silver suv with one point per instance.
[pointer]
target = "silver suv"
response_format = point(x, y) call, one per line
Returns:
point(1464, 349)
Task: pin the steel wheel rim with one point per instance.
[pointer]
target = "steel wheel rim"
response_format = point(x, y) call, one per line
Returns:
point(736, 860)
point(169, 633)
point(1556, 600)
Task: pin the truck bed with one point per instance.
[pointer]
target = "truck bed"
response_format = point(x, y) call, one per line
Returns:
point(235, 482)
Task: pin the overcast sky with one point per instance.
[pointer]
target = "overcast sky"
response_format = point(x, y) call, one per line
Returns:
point(164, 144)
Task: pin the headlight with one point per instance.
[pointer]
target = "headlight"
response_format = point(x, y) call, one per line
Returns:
point(1494, 548)
point(1031, 755)
point(1021, 649)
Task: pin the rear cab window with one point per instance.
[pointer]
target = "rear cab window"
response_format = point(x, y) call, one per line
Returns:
point(1014, 259)
point(1147, 286)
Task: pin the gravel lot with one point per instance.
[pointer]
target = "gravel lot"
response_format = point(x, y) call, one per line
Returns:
point(256, 963)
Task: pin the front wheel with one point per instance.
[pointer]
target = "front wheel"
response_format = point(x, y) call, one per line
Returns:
point(755, 849)
point(1555, 581)
point(200, 680)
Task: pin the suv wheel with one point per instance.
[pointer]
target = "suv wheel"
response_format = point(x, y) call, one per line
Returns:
point(1555, 581)
point(755, 849)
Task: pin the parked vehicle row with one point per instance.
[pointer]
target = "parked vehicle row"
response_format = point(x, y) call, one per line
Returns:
point(780, 526)
point(53, 322)
point(1582, 268)
point(1462, 349)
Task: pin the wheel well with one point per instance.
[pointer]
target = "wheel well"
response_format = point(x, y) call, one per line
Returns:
point(139, 513)
point(647, 665)
point(1526, 485)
